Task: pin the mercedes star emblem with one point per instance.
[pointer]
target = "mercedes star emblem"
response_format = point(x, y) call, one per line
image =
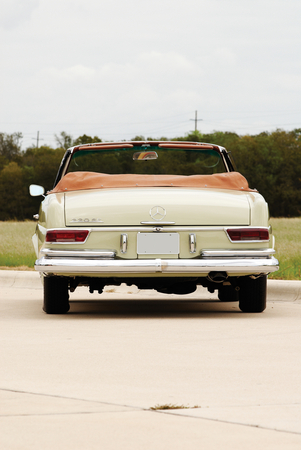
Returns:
point(157, 213)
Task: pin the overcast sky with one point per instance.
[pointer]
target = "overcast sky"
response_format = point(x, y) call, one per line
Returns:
point(120, 68)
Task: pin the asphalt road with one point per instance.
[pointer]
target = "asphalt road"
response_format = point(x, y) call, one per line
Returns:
point(87, 380)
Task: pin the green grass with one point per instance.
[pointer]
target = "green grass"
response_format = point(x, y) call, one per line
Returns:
point(16, 248)
point(288, 248)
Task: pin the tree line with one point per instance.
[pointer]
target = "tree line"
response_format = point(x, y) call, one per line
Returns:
point(271, 162)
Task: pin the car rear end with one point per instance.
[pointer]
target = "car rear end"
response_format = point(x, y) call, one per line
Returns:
point(169, 233)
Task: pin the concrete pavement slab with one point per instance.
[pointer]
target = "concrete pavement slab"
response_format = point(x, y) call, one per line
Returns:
point(206, 354)
point(273, 417)
point(24, 279)
point(136, 430)
point(13, 403)
point(92, 375)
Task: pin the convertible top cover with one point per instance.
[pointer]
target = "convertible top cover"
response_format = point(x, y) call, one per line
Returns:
point(75, 181)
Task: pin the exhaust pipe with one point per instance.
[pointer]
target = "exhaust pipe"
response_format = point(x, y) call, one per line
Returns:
point(217, 277)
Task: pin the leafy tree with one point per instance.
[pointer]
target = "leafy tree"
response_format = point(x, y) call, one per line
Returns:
point(64, 140)
point(13, 192)
point(224, 139)
point(271, 162)
point(193, 136)
point(84, 139)
point(162, 138)
point(286, 197)
point(138, 138)
point(45, 162)
point(3, 162)
point(10, 147)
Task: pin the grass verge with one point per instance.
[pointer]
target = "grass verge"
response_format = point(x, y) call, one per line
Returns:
point(16, 250)
point(287, 233)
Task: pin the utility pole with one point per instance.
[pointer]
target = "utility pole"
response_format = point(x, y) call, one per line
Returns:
point(38, 139)
point(196, 120)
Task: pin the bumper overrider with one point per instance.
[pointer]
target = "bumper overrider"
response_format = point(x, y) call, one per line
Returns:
point(237, 262)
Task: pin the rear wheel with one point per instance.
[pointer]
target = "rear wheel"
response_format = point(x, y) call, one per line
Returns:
point(252, 294)
point(227, 294)
point(56, 296)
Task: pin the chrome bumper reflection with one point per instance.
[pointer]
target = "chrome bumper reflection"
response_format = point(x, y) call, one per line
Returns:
point(69, 265)
point(83, 254)
point(265, 253)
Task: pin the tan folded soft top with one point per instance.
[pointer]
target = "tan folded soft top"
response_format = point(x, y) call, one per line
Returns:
point(75, 181)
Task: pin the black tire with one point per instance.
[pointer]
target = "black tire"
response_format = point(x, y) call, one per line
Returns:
point(56, 296)
point(227, 294)
point(252, 294)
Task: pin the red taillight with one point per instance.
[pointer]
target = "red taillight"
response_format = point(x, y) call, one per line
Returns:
point(248, 234)
point(66, 235)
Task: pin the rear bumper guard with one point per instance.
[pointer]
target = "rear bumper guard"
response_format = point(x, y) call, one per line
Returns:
point(236, 262)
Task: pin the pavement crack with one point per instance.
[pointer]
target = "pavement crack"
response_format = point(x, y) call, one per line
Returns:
point(64, 413)
point(226, 421)
point(70, 398)
point(131, 408)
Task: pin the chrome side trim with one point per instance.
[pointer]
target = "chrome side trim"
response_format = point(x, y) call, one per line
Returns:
point(178, 228)
point(50, 253)
point(154, 228)
point(261, 253)
point(150, 266)
point(157, 223)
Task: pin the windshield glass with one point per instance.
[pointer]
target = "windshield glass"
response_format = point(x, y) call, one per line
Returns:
point(154, 161)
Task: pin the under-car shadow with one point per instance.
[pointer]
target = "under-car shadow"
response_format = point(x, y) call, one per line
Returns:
point(151, 308)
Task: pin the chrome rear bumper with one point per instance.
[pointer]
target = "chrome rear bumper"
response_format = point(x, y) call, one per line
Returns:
point(238, 263)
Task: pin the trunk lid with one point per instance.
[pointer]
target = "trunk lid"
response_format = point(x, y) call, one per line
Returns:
point(179, 206)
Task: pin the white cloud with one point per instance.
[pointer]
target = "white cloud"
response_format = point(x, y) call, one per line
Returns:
point(153, 72)
point(109, 66)
point(225, 55)
point(15, 12)
point(289, 82)
point(77, 74)
point(169, 60)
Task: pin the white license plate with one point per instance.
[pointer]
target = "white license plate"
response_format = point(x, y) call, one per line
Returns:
point(158, 244)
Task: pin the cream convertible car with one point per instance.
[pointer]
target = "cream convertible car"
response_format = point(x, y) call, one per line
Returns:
point(161, 215)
